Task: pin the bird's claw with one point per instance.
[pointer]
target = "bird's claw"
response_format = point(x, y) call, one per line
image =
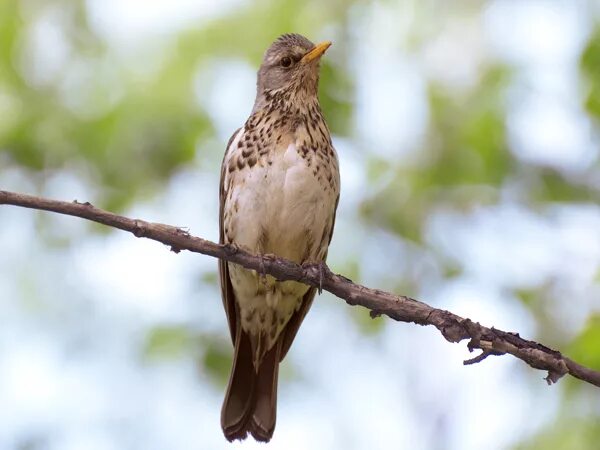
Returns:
point(262, 273)
point(321, 268)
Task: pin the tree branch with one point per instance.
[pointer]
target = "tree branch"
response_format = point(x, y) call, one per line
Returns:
point(454, 328)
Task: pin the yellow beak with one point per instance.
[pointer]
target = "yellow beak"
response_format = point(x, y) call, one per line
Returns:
point(316, 52)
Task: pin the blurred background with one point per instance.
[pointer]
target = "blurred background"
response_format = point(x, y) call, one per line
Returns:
point(468, 134)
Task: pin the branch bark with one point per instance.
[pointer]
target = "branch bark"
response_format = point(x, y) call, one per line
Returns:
point(454, 328)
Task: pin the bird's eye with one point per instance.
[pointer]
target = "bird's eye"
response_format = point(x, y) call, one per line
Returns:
point(286, 61)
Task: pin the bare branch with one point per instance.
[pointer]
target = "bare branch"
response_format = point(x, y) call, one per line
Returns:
point(454, 328)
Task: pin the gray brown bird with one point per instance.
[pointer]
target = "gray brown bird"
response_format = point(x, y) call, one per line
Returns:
point(279, 192)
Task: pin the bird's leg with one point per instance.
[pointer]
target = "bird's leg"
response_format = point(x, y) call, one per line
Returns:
point(321, 269)
point(320, 266)
point(262, 274)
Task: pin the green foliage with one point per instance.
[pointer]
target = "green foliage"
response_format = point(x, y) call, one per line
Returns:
point(216, 362)
point(585, 349)
point(551, 185)
point(468, 135)
point(128, 136)
point(590, 68)
point(466, 148)
point(365, 323)
point(166, 342)
point(575, 433)
point(172, 342)
point(336, 92)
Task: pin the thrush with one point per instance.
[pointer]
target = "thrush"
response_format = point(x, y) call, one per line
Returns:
point(279, 192)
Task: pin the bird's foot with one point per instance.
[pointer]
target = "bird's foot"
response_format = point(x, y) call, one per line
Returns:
point(232, 248)
point(262, 274)
point(321, 268)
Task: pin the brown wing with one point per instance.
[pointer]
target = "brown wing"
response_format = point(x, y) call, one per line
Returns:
point(291, 329)
point(226, 287)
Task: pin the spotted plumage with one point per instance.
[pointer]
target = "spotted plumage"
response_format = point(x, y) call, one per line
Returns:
point(279, 193)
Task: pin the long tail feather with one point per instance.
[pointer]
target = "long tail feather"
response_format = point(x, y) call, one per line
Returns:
point(250, 404)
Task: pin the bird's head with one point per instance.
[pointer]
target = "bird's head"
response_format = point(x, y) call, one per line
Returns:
point(291, 63)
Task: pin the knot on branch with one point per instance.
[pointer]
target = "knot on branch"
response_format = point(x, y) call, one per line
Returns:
point(450, 325)
point(82, 204)
point(182, 231)
point(474, 331)
point(375, 314)
point(555, 375)
point(139, 228)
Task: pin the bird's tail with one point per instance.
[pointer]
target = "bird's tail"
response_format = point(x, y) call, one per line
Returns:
point(250, 404)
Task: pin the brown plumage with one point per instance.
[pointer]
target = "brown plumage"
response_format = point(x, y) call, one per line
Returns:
point(278, 195)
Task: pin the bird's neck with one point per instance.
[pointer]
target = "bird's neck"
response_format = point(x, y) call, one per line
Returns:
point(286, 102)
point(286, 113)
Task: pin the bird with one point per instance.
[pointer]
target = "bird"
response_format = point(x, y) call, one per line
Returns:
point(279, 191)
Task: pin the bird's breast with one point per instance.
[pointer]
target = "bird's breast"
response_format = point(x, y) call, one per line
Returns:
point(282, 205)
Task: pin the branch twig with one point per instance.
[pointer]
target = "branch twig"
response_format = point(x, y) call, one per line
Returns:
point(454, 328)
